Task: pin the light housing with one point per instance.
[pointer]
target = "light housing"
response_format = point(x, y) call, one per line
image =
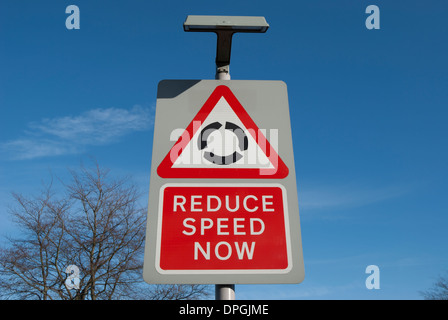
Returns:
point(225, 27)
point(234, 23)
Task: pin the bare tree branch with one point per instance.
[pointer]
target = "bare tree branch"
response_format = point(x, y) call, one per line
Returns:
point(439, 291)
point(98, 227)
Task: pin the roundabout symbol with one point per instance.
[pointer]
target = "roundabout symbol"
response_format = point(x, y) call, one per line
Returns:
point(226, 159)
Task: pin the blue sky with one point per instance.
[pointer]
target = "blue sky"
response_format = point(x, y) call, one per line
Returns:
point(368, 112)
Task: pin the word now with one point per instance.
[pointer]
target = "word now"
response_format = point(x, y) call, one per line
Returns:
point(242, 250)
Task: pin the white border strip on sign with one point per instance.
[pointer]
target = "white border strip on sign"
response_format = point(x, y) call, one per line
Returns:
point(223, 271)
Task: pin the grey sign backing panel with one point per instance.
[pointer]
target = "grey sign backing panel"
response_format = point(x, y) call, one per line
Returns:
point(178, 102)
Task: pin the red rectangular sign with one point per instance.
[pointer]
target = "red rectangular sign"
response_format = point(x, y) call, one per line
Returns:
point(223, 228)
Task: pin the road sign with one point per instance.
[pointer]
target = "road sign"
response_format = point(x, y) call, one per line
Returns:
point(223, 228)
point(241, 149)
point(223, 199)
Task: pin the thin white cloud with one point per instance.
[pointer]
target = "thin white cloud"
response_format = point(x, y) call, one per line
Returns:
point(98, 126)
point(23, 149)
point(72, 134)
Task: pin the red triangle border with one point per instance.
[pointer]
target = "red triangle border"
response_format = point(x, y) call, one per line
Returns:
point(165, 169)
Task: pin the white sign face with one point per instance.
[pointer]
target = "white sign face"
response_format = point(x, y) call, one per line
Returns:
point(226, 137)
point(223, 199)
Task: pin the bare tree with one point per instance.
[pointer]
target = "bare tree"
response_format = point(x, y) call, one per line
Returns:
point(87, 244)
point(439, 291)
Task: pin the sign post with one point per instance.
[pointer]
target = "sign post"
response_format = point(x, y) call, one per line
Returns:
point(223, 203)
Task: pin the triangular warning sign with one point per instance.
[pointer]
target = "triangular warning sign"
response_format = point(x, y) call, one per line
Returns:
point(223, 142)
